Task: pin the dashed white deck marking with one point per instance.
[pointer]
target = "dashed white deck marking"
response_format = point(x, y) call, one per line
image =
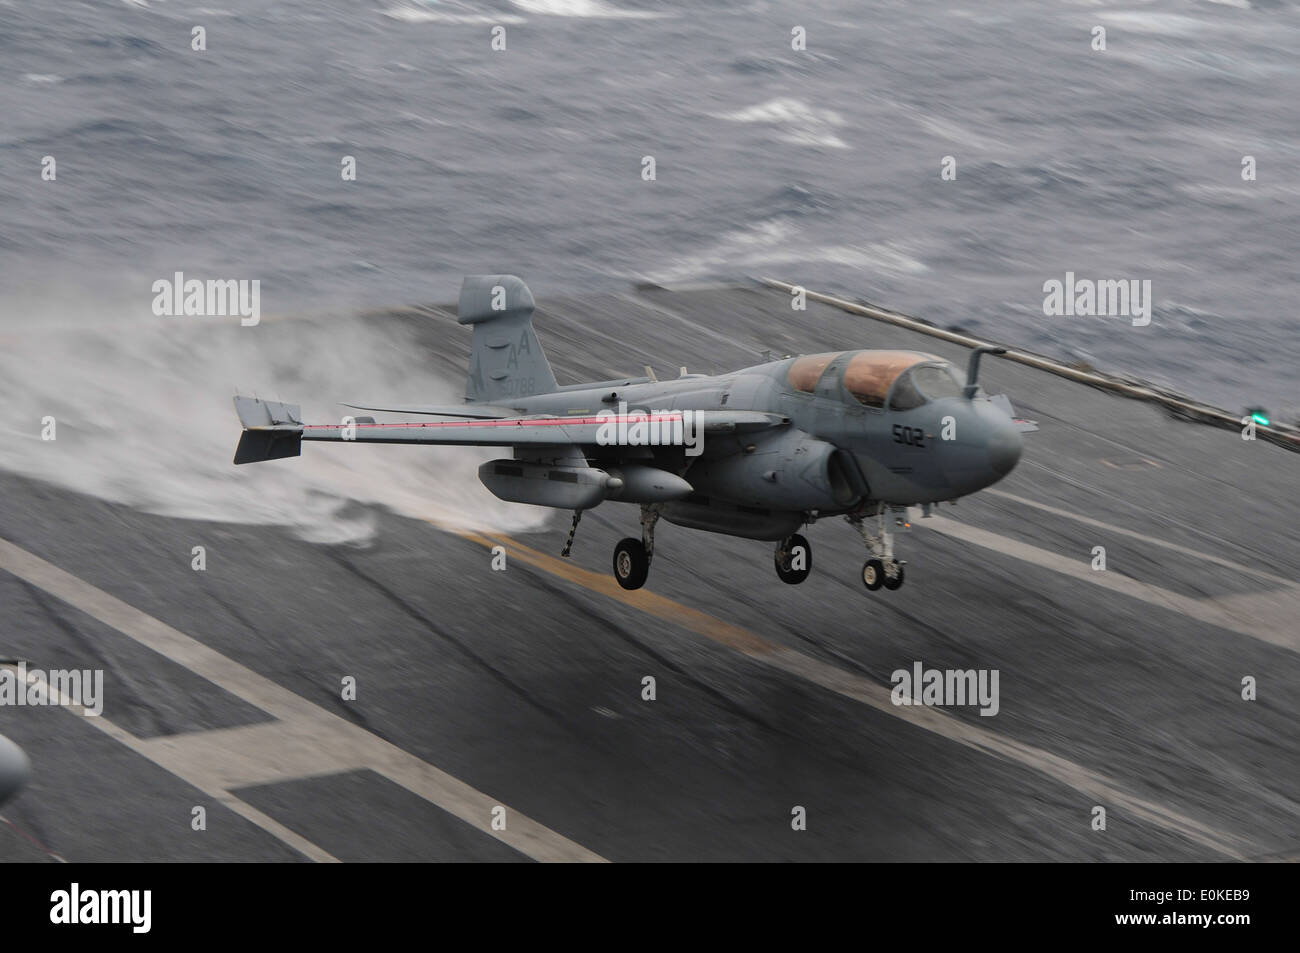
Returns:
point(1234, 565)
point(1256, 616)
point(305, 740)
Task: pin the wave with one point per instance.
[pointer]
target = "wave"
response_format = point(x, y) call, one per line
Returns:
point(775, 242)
point(588, 9)
point(450, 12)
point(797, 121)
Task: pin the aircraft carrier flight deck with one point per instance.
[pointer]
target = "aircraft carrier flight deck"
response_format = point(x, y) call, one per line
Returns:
point(503, 715)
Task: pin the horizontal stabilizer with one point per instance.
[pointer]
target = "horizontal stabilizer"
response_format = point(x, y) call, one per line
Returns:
point(272, 430)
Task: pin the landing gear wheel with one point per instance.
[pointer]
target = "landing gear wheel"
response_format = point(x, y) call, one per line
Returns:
point(893, 576)
point(873, 574)
point(794, 560)
point(631, 564)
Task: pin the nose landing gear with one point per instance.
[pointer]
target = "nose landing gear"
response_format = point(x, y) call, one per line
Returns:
point(881, 568)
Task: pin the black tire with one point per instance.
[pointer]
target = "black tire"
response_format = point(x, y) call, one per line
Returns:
point(631, 564)
point(792, 546)
point(895, 581)
point(873, 574)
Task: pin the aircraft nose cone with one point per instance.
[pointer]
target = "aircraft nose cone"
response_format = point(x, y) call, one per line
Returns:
point(13, 768)
point(1004, 449)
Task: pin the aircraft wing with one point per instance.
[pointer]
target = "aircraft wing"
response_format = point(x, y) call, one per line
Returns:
point(1023, 424)
point(482, 411)
point(273, 430)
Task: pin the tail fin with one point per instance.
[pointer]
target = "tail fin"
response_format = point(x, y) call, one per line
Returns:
point(506, 359)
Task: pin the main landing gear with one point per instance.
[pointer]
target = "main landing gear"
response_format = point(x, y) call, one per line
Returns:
point(881, 568)
point(793, 559)
point(632, 556)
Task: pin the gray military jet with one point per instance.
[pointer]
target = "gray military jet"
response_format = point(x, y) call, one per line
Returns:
point(756, 453)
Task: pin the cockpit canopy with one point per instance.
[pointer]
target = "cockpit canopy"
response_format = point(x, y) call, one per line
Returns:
point(907, 379)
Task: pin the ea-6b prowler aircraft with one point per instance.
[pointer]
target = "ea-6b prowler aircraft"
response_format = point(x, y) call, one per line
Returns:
point(756, 453)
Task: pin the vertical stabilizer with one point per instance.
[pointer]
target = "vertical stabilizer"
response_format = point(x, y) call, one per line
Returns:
point(506, 359)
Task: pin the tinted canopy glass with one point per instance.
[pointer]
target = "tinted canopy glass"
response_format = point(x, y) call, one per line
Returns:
point(936, 382)
point(870, 374)
point(806, 370)
point(927, 382)
point(906, 396)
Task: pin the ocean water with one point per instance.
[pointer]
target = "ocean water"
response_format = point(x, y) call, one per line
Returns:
point(820, 167)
